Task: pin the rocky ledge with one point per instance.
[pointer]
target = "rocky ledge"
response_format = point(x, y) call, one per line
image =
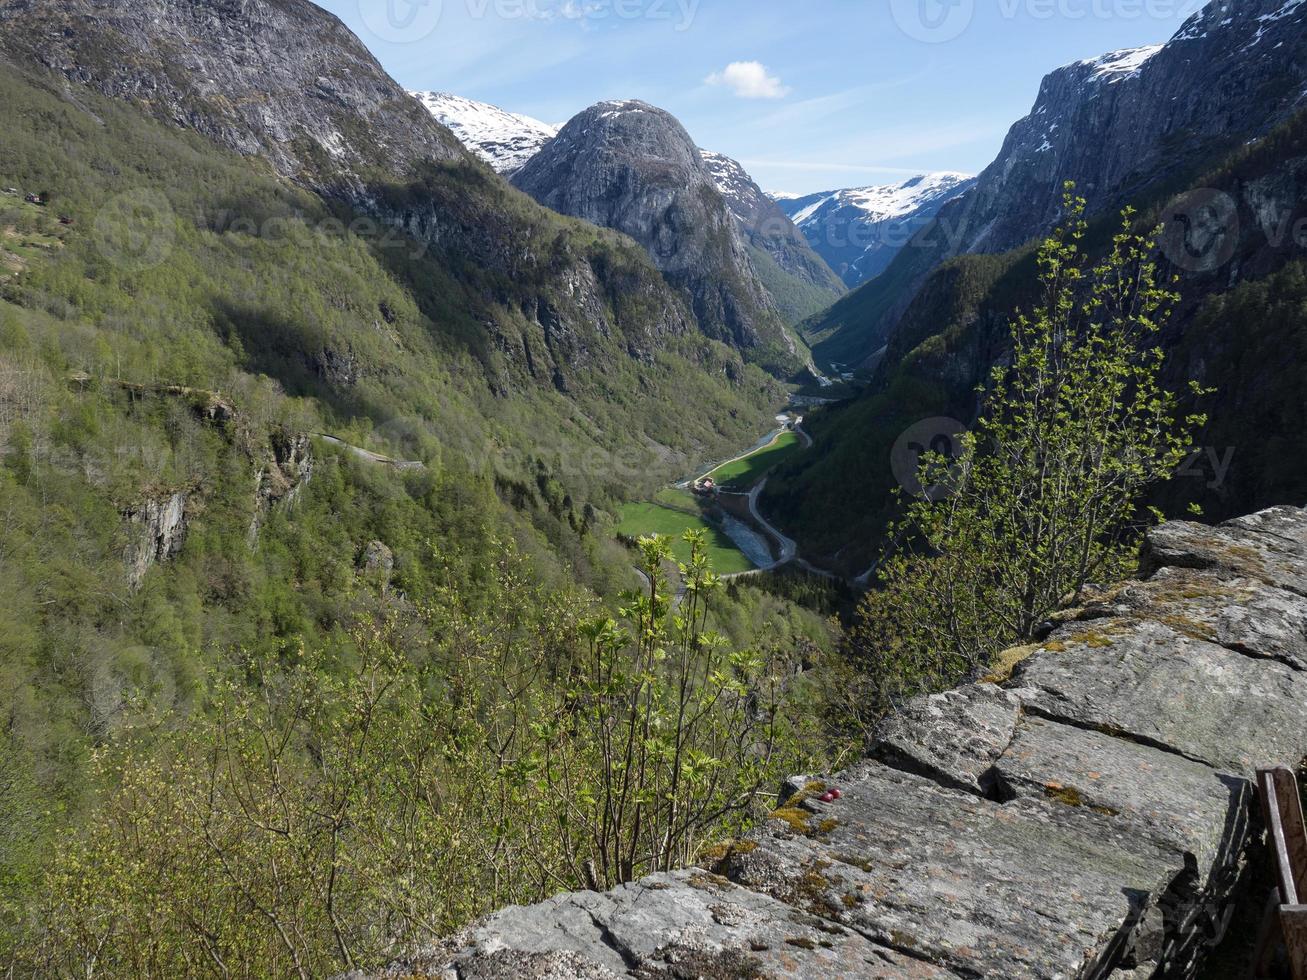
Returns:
point(1085, 816)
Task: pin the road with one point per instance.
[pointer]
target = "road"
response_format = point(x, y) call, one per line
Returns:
point(369, 456)
point(795, 426)
point(789, 549)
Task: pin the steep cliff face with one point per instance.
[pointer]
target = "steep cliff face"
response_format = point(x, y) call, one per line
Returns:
point(282, 476)
point(281, 79)
point(1124, 127)
point(1088, 816)
point(632, 167)
point(1240, 254)
point(806, 283)
point(156, 531)
point(1130, 120)
point(284, 81)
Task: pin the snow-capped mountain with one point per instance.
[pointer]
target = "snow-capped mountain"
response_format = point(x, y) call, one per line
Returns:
point(859, 230)
point(631, 166)
point(505, 140)
point(766, 227)
point(733, 181)
point(1120, 123)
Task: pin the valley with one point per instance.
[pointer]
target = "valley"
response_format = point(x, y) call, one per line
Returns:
point(411, 508)
point(722, 501)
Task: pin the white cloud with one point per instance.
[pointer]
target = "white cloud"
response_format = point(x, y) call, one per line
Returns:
point(749, 80)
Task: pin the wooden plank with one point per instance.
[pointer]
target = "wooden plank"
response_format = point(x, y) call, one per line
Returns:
point(1295, 832)
point(1293, 922)
point(1273, 813)
point(1286, 835)
point(1268, 936)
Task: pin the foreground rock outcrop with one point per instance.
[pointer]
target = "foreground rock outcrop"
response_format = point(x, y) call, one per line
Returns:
point(1087, 817)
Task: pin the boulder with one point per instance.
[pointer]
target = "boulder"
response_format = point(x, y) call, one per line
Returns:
point(690, 925)
point(953, 738)
point(1148, 682)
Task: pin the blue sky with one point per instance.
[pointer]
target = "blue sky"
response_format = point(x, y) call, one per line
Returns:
point(809, 94)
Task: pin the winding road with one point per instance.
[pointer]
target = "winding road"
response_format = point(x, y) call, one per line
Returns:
point(789, 548)
point(367, 455)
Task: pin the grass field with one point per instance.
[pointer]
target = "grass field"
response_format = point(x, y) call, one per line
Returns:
point(26, 232)
point(741, 474)
point(638, 519)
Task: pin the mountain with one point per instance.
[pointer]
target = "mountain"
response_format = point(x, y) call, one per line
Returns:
point(505, 140)
point(287, 83)
point(858, 231)
point(797, 280)
point(805, 282)
point(259, 218)
point(1121, 127)
point(292, 386)
point(632, 167)
point(1207, 134)
point(1130, 120)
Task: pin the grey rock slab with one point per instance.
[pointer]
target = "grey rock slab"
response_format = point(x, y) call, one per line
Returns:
point(1240, 614)
point(953, 737)
point(1289, 524)
point(689, 924)
point(1266, 546)
point(989, 889)
point(1149, 682)
point(1183, 804)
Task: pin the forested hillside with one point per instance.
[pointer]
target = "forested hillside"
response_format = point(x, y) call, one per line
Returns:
point(180, 546)
point(1236, 331)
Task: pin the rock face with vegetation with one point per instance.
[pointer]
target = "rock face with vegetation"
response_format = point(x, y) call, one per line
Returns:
point(208, 286)
point(1234, 242)
point(1085, 816)
point(632, 167)
point(1127, 127)
point(156, 531)
point(1130, 119)
point(794, 272)
point(289, 84)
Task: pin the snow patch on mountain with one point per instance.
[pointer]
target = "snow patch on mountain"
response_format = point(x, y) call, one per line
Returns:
point(1117, 66)
point(859, 229)
point(731, 179)
point(505, 140)
point(882, 201)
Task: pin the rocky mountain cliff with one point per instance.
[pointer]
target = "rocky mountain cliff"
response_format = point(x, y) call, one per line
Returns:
point(1124, 127)
point(1086, 813)
point(859, 230)
point(1240, 329)
point(1130, 120)
point(284, 81)
point(505, 140)
point(767, 228)
point(632, 167)
point(280, 79)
